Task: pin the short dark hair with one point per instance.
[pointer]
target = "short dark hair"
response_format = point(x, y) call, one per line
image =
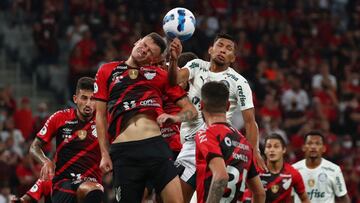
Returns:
point(158, 40)
point(186, 57)
point(215, 96)
point(85, 83)
point(224, 36)
point(276, 137)
point(314, 133)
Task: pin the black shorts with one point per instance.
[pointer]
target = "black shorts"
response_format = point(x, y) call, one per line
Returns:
point(137, 163)
point(64, 191)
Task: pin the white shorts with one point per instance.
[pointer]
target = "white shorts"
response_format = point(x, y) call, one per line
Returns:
point(186, 158)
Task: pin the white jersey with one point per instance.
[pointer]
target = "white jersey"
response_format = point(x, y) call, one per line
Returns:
point(323, 183)
point(240, 93)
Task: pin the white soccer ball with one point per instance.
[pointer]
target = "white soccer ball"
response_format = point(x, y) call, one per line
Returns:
point(179, 22)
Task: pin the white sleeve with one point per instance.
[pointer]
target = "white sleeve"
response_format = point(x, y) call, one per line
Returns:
point(244, 95)
point(339, 186)
point(192, 66)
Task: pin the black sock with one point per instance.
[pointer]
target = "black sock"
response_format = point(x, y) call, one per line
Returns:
point(94, 196)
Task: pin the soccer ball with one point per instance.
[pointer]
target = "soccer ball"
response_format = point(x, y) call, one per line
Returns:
point(179, 22)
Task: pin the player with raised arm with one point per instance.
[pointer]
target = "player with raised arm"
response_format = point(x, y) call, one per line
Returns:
point(75, 171)
point(324, 181)
point(198, 72)
point(281, 178)
point(224, 158)
point(129, 109)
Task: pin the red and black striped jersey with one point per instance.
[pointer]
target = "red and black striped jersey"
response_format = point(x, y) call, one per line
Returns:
point(129, 91)
point(278, 186)
point(77, 147)
point(42, 188)
point(222, 140)
point(171, 131)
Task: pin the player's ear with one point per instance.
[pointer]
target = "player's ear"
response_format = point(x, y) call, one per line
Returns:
point(227, 106)
point(324, 149)
point(210, 50)
point(75, 98)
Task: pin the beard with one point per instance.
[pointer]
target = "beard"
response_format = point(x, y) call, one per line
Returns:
point(218, 63)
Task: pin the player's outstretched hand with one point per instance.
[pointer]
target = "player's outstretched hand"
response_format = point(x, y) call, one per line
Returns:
point(167, 118)
point(47, 171)
point(106, 165)
point(259, 161)
point(175, 49)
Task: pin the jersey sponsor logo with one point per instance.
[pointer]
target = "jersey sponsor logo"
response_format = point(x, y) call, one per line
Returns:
point(241, 157)
point(286, 183)
point(121, 67)
point(328, 168)
point(315, 193)
point(285, 175)
point(338, 183)
point(71, 122)
point(96, 88)
point(81, 134)
point(43, 131)
point(150, 102)
point(34, 188)
point(232, 76)
point(194, 65)
point(150, 75)
point(242, 97)
point(275, 188)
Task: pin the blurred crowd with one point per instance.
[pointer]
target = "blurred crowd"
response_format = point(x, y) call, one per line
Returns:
point(301, 57)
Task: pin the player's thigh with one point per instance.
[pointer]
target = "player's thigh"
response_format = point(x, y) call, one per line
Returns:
point(86, 187)
point(172, 192)
point(63, 192)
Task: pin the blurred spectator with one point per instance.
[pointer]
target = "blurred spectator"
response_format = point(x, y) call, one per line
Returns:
point(324, 78)
point(7, 101)
point(12, 137)
point(41, 116)
point(4, 192)
point(295, 97)
point(23, 118)
point(75, 31)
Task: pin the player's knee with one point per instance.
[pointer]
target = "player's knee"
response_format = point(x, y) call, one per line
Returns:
point(90, 192)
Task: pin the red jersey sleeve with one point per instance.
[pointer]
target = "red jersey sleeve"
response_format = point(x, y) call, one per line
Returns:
point(101, 87)
point(298, 182)
point(174, 93)
point(39, 189)
point(208, 145)
point(51, 125)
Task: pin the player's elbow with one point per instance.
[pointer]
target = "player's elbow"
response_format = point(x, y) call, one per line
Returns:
point(220, 176)
point(259, 194)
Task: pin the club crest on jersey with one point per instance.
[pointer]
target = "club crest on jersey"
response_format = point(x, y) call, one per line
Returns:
point(275, 188)
point(322, 177)
point(150, 75)
point(81, 134)
point(133, 73)
point(311, 182)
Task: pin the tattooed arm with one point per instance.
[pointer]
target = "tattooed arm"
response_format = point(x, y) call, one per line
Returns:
point(188, 112)
point(48, 167)
point(219, 180)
